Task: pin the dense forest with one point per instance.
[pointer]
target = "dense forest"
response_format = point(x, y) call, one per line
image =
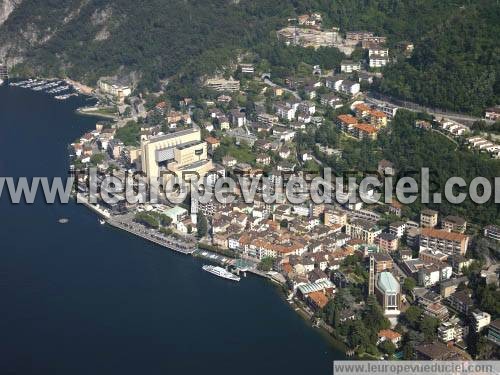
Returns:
point(455, 65)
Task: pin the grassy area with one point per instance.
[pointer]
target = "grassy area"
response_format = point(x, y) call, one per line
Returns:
point(106, 112)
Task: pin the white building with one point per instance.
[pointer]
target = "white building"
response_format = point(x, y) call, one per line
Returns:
point(349, 87)
point(285, 112)
point(349, 66)
point(450, 330)
point(480, 320)
point(377, 61)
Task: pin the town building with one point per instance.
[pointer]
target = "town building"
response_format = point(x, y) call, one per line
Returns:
point(480, 320)
point(382, 262)
point(437, 351)
point(247, 68)
point(492, 232)
point(118, 88)
point(389, 335)
point(364, 131)
point(432, 273)
point(349, 87)
point(265, 118)
point(448, 287)
point(237, 118)
point(493, 113)
point(4, 74)
point(397, 228)
point(454, 224)
point(349, 66)
point(377, 61)
point(263, 159)
point(387, 242)
point(447, 242)
point(461, 301)
point(223, 85)
point(451, 330)
point(363, 230)
point(284, 112)
point(428, 218)
point(494, 332)
point(331, 100)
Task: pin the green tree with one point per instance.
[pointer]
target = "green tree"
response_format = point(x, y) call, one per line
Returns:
point(202, 225)
point(266, 264)
point(412, 315)
point(409, 284)
point(428, 326)
point(97, 159)
point(388, 348)
point(129, 134)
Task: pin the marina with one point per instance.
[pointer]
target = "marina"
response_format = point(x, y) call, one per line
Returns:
point(50, 87)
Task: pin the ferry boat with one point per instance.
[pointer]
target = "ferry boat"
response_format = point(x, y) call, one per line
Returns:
point(221, 272)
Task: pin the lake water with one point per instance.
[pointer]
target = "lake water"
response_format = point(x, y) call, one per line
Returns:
point(82, 298)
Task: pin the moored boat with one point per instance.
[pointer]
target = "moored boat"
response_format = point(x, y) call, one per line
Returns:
point(220, 272)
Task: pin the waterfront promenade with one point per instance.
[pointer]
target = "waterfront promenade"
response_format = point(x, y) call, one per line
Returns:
point(126, 223)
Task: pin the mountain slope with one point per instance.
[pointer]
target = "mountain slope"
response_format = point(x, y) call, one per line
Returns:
point(89, 38)
point(456, 63)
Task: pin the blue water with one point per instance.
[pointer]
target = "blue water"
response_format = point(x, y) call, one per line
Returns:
point(82, 298)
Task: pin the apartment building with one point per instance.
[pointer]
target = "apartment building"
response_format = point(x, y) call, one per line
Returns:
point(447, 242)
point(388, 242)
point(335, 217)
point(382, 262)
point(397, 228)
point(428, 218)
point(454, 224)
point(480, 320)
point(451, 330)
point(494, 332)
point(221, 84)
point(363, 230)
point(349, 66)
point(492, 232)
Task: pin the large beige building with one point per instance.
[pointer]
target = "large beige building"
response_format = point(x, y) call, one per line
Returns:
point(114, 87)
point(446, 242)
point(179, 152)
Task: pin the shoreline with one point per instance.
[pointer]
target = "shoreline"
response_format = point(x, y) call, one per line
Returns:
point(296, 307)
point(103, 214)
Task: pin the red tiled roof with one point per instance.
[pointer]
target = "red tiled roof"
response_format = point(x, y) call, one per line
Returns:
point(389, 334)
point(442, 234)
point(366, 128)
point(348, 119)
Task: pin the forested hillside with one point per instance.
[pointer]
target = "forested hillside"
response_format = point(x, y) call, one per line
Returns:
point(456, 63)
point(89, 38)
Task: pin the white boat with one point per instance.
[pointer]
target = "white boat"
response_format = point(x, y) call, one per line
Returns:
point(102, 221)
point(1, 82)
point(221, 272)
